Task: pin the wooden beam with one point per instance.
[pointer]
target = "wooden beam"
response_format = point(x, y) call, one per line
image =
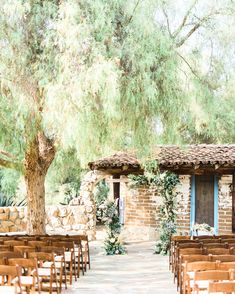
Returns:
point(121, 180)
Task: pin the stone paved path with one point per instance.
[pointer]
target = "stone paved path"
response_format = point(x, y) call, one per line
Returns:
point(138, 272)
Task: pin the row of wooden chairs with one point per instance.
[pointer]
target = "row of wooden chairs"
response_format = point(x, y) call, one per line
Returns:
point(51, 257)
point(224, 241)
point(204, 249)
point(190, 268)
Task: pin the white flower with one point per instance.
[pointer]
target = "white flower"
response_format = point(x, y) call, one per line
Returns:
point(112, 240)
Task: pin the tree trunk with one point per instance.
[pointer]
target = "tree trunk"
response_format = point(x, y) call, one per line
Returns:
point(36, 203)
point(38, 158)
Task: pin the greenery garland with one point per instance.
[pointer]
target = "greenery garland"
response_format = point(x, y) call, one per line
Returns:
point(165, 184)
point(112, 243)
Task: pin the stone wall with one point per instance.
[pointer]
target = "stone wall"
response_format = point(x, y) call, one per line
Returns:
point(225, 205)
point(183, 205)
point(12, 219)
point(58, 218)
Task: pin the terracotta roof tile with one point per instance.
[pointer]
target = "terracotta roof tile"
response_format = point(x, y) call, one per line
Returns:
point(173, 155)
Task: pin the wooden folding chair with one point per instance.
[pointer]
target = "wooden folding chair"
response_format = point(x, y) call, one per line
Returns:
point(5, 248)
point(223, 258)
point(85, 249)
point(29, 276)
point(189, 270)
point(10, 254)
point(15, 243)
point(183, 251)
point(218, 251)
point(69, 257)
point(225, 266)
point(46, 269)
point(189, 258)
point(24, 250)
point(215, 245)
point(202, 279)
point(35, 243)
point(59, 262)
point(208, 241)
point(221, 287)
point(10, 276)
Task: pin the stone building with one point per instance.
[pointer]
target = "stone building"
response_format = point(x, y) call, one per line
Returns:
point(206, 193)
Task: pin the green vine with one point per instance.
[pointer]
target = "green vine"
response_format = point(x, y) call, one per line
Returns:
point(167, 211)
point(112, 243)
point(165, 184)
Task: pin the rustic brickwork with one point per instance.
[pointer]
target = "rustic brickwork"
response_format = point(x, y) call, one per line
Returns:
point(140, 214)
point(142, 210)
point(183, 205)
point(141, 207)
point(225, 205)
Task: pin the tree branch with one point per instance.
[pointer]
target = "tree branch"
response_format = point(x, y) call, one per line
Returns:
point(167, 21)
point(194, 28)
point(184, 19)
point(11, 164)
point(7, 154)
point(131, 17)
point(203, 81)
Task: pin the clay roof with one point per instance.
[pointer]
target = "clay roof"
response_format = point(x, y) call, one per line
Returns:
point(171, 155)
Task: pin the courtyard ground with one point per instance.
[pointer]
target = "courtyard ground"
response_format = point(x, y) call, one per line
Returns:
point(140, 271)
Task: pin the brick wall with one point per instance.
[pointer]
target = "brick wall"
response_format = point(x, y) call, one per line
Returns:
point(142, 211)
point(225, 204)
point(140, 207)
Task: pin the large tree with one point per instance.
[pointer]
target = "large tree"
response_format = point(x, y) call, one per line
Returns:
point(95, 75)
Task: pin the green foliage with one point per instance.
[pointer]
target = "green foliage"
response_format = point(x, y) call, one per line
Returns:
point(9, 180)
point(167, 211)
point(149, 178)
point(100, 196)
point(112, 243)
point(63, 177)
point(6, 201)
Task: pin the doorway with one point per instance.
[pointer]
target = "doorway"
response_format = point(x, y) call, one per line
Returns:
point(204, 193)
point(204, 201)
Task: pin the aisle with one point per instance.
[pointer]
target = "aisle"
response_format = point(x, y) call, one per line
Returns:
point(140, 271)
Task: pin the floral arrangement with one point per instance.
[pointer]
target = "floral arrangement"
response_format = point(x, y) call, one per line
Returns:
point(112, 243)
point(202, 227)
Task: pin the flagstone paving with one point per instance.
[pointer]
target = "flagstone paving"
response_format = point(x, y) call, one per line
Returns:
point(140, 271)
